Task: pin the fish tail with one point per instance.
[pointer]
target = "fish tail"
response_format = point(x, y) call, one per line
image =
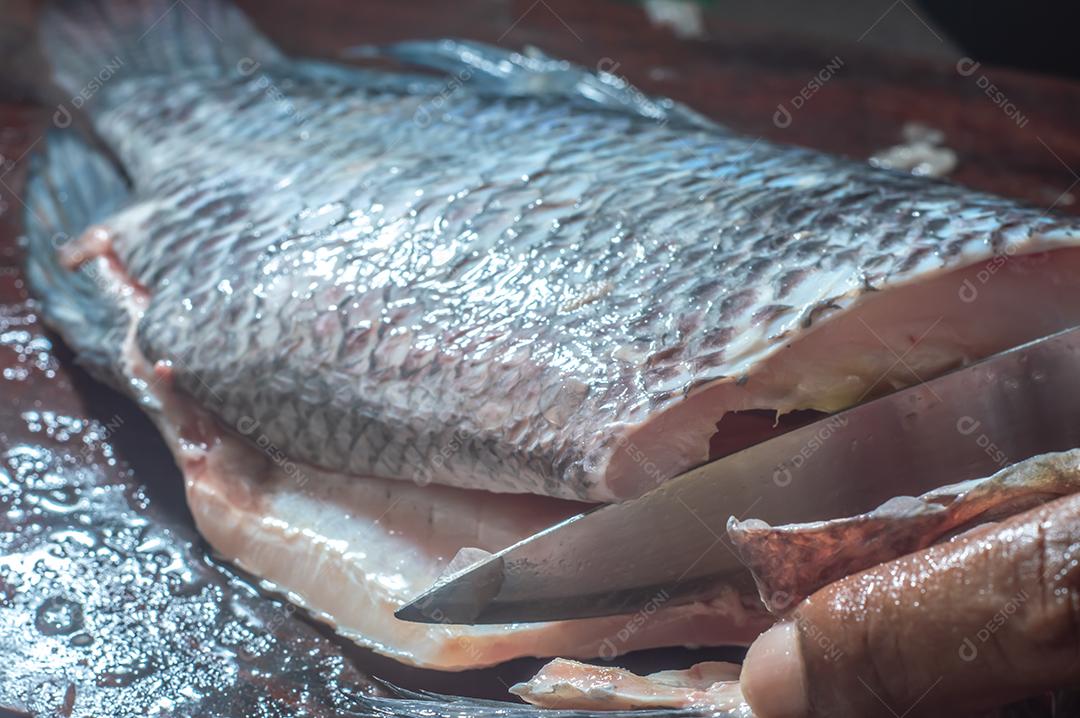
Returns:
point(89, 42)
point(71, 186)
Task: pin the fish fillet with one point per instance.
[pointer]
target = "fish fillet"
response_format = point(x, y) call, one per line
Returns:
point(353, 551)
point(386, 319)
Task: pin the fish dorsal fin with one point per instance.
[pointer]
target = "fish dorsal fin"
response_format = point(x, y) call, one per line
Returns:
point(486, 69)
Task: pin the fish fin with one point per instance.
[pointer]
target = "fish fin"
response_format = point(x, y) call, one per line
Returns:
point(70, 187)
point(87, 42)
point(378, 80)
point(531, 73)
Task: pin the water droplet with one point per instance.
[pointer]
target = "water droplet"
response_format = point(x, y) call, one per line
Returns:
point(131, 669)
point(58, 616)
point(81, 640)
point(61, 501)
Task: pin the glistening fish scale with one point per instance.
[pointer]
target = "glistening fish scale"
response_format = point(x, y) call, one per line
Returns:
point(507, 285)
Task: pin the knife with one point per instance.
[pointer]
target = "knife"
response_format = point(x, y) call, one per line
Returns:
point(671, 543)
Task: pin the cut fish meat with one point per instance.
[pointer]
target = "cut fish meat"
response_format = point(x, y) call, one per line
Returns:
point(375, 313)
point(569, 685)
point(354, 551)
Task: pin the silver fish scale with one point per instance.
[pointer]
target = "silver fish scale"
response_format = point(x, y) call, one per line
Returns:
point(491, 291)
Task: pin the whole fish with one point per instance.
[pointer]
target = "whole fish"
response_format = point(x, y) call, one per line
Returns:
point(350, 298)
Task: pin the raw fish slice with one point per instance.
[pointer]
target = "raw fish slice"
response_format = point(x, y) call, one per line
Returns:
point(573, 685)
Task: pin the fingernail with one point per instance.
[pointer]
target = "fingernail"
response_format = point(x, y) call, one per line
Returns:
point(773, 675)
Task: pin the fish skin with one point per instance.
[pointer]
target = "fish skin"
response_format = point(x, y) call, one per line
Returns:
point(459, 282)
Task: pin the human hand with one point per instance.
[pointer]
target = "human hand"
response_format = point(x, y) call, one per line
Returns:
point(988, 618)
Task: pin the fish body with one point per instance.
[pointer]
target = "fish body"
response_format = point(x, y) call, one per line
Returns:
point(489, 281)
point(324, 282)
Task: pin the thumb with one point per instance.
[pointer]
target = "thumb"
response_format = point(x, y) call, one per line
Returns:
point(988, 618)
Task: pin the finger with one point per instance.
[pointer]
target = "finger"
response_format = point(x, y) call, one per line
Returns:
point(990, 617)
